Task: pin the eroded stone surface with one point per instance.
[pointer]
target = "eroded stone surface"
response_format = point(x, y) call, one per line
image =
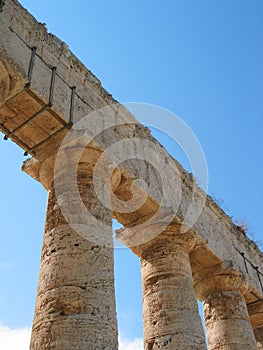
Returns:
point(225, 311)
point(20, 32)
point(170, 312)
point(75, 307)
point(227, 322)
point(259, 337)
point(219, 240)
point(255, 311)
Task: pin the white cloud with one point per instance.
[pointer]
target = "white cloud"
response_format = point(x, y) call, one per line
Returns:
point(136, 344)
point(19, 339)
point(14, 339)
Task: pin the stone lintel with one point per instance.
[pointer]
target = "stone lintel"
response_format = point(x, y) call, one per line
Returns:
point(163, 226)
point(20, 32)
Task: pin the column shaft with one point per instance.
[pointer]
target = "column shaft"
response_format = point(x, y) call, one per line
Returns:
point(222, 290)
point(227, 322)
point(170, 311)
point(259, 337)
point(75, 307)
point(255, 311)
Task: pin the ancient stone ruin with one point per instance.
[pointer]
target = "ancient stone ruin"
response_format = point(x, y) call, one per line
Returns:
point(45, 91)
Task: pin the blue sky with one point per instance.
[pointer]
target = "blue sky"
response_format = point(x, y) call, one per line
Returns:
point(202, 60)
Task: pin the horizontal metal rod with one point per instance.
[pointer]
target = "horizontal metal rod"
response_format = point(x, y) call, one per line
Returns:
point(68, 126)
point(57, 117)
point(5, 130)
point(45, 108)
point(60, 76)
point(14, 96)
point(16, 139)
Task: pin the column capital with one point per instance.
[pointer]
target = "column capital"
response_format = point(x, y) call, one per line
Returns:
point(220, 278)
point(255, 311)
point(144, 237)
point(85, 161)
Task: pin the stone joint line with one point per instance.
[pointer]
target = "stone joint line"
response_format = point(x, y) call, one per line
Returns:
point(43, 88)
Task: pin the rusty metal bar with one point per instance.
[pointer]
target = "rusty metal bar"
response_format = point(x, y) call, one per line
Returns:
point(72, 102)
point(45, 108)
point(245, 261)
point(16, 139)
point(251, 264)
point(31, 65)
point(14, 96)
point(57, 117)
point(260, 282)
point(52, 85)
point(68, 126)
point(5, 130)
point(27, 121)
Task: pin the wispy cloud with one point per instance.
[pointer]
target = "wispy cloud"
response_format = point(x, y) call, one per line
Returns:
point(14, 339)
point(19, 339)
point(136, 344)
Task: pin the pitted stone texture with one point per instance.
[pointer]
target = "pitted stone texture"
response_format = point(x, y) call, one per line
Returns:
point(170, 312)
point(259, 337)
point(75, 307)
point(220, 277)
point(255, 311)
point(19, 32)
point(7, 82)
point(227, 322)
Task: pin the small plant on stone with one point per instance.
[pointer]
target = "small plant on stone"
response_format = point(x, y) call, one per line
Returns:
point(220, 202)
point(243, 226)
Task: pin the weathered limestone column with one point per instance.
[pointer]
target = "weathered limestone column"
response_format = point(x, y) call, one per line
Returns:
point(170, 311)
point(259, 337)
point(75, 306)
point(225, 312)
point(255, 311)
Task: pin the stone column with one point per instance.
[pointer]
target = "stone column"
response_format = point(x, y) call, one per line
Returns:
point(259, 337)
point(75, 306)
point(170, 311)
point(255, 311)
point(225, 312)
